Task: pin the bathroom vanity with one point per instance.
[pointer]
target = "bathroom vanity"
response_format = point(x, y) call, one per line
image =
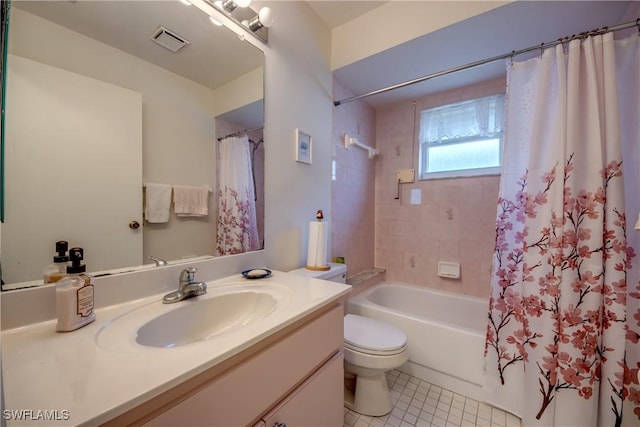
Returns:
point(274, 357)
point(292, 377)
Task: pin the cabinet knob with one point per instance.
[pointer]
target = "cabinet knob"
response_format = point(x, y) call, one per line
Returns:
point(134, 225)
point(280, 425)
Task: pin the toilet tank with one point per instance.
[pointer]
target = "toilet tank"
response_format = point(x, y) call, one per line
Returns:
point(336, 273)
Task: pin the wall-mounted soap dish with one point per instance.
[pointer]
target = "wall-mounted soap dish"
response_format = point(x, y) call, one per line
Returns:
point(450, 270)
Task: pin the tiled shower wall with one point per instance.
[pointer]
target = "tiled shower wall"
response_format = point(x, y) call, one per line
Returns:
point(353, 185)
point(455, 220)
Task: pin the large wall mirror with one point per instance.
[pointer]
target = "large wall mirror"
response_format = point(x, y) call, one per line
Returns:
point(104, 98)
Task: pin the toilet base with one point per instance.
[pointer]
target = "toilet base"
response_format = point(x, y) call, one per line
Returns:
point(371, 396)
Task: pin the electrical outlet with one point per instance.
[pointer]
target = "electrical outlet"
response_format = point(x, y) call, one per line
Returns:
point(405, 175)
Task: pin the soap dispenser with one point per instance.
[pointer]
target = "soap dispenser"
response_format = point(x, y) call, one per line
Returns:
point(58, 269)
point(74, 295)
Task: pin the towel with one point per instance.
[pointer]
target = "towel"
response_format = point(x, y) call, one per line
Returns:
point(191, 201)
point(158, 202)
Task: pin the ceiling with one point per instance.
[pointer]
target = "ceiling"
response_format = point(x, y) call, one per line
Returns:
point(515, 26)
point(336, 13)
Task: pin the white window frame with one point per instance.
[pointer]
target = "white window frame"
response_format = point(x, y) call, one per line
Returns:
point(425, 145)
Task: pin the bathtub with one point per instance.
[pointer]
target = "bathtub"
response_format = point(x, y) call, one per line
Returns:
point(445, 332)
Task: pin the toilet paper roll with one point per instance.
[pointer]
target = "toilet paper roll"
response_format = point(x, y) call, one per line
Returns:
point(317, 250)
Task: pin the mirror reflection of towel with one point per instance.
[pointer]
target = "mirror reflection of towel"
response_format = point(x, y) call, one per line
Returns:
point(157, 202)
point(191, 201)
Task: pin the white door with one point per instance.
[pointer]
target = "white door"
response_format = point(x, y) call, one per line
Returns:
point(73, 148)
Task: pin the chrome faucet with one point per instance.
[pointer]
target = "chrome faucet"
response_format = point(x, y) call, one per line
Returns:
point(159, 262)
point(187, 288)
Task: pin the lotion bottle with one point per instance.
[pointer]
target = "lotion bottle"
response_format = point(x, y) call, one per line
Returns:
point(74, 295)
point(58, 269)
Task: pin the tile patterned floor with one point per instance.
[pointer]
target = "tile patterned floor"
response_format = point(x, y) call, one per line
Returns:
point(420, 404)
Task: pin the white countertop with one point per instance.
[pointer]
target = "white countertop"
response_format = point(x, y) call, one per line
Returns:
point(81, 381)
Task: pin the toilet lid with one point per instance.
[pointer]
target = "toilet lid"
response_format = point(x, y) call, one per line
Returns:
point(371, 334)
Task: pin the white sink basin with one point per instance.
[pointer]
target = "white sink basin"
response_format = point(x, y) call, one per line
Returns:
point(226, 309)
point(201, 320)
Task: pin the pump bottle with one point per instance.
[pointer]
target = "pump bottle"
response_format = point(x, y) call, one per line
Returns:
point(58, 269)
point(74, 295)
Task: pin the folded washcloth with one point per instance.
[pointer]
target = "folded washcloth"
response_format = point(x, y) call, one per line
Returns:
point(191, 201)
point(157, 202)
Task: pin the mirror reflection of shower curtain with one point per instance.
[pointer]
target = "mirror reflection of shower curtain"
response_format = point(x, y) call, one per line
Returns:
point(237, 229)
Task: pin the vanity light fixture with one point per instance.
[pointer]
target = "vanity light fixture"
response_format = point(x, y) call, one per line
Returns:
point(185, 2)
point(240, 12)
point(231, 5)
point(263, 19)
point(215, 22)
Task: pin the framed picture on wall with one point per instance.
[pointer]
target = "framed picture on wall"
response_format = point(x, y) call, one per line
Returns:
point(303, 147)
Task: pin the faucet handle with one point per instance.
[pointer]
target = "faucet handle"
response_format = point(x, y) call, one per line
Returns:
point(157, 261)
point(188, 275)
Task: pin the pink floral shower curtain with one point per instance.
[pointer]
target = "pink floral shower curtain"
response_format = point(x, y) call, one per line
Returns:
point(237, 226)
point(562, 338)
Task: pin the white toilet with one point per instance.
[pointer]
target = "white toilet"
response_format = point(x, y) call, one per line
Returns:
point(371, 348)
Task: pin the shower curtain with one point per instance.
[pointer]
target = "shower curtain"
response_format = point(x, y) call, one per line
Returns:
point(237, 226)
point(564, 319)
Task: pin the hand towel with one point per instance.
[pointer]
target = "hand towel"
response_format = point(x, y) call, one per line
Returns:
point(191, 201)
point(157, 202)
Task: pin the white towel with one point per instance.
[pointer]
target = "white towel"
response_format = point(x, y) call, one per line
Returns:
point(158, 202)
point(190, 201)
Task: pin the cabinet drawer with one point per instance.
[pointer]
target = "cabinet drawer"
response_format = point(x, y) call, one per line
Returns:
point(316, 403)
point(239, 396)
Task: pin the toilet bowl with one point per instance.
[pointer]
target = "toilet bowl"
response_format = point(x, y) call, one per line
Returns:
point(371, 348)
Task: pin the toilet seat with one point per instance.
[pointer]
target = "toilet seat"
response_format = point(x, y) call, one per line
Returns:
point(374, 352)
point(370, 336)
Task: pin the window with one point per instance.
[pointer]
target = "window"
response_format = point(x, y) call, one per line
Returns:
point(462, 139)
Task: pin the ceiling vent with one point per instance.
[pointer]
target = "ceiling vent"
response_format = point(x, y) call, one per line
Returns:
point(169, 39)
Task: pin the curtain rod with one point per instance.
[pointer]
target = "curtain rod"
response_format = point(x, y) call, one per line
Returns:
point(489, 60)
point(240, 132)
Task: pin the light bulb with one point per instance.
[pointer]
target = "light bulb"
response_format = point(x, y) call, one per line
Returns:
point(215, 21)
point(231, 5)
point(265, 16)
point(264, 19)
point(185, 2)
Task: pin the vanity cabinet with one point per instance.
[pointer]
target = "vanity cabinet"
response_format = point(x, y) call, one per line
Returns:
point(294, 377)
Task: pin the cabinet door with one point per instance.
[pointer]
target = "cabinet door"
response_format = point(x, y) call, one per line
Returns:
point(318, 402)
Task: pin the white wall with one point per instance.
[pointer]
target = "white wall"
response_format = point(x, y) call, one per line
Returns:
point(239, 92)
point(297, 95)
